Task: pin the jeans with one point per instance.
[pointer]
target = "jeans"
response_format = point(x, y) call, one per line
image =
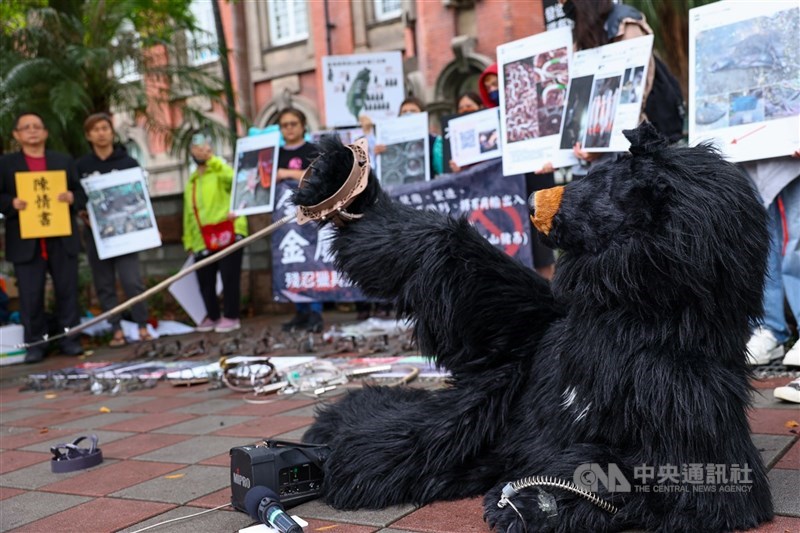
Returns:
point(783, 266)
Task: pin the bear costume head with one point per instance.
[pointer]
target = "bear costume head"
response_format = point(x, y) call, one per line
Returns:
point(633, 360)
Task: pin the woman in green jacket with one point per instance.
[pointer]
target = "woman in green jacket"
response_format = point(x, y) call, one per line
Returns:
point(206, 201)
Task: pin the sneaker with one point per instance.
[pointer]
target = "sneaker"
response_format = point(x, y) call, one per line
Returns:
point(792, 357)
point(206, 325)
point(226, 325)
point(300, 321)
point(763, 347)
point(789, 392)
point(315, 323)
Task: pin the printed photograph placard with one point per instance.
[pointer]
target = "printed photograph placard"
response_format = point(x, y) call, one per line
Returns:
point(533, 76)
point(120, 213)
point(362, 83)
point(475, 137)
point(744, 78)
point(44, 216)
point(407, 155)
point(605, 95)
point(254, 172)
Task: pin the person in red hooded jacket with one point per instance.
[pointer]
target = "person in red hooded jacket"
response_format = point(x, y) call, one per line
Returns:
point(489, 87)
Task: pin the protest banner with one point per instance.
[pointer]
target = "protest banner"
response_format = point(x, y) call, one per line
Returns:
point(44, 216)
point(302, 264)
point(475, 137)
point(120, 213)
point(605, 95)
point(744, 67)
point(254, 173)
point(534, 73)
point(407, 155)
point(368, 83)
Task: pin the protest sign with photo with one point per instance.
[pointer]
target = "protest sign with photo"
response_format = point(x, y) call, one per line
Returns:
point(120, 213)
point(534, 73)
point(44, 216)
point(346, 135)
point(475, 137)
point(303, 269)
point(254, 173)
point(407, 155)
point(744, 78)
point(605, 95)
point(363, 83)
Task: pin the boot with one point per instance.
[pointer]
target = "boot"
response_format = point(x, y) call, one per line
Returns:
point(300, 321)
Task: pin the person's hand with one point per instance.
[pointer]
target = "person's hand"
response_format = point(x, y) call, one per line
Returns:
point(231, 215)
point(19, 204)
point(454, 167)
point(84, 215)
point(547, 168)
point(66, 197)
point(288, 174)
point(380, 148)
point(796, 153)
point(583, 154)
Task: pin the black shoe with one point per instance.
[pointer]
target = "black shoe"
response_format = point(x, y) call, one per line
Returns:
point(71, 348)
point(34, 355)
point(300, 321)
point(314, 323)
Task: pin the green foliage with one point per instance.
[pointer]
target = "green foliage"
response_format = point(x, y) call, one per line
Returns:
point(66, 59)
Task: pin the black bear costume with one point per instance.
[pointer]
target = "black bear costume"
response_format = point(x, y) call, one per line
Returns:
point(634, 356)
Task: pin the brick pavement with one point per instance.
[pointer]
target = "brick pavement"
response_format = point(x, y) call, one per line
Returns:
point(165, 455)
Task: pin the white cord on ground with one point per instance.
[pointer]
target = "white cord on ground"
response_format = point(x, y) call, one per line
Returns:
point(181, 518)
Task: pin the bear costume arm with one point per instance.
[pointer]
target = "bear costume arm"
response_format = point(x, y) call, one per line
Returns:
point(473, 306)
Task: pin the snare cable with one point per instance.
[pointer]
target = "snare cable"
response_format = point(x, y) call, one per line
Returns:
point(513, 488)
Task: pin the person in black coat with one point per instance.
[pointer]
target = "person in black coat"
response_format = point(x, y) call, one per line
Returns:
point(33, 258)
point(105, 157)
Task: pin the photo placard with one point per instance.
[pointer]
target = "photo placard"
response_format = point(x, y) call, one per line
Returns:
point(254, 173)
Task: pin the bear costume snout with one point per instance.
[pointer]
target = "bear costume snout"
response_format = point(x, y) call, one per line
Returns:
point(543, 206)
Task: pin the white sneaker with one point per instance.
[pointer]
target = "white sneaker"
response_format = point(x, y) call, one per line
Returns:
point(206, 325)
point(763, 347)
point(789, 392)
point(792, 357)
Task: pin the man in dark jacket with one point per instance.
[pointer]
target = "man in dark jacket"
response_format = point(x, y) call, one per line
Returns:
point(33, 258)
point(104, 158)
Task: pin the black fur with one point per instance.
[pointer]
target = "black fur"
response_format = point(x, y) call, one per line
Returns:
point(661, 272)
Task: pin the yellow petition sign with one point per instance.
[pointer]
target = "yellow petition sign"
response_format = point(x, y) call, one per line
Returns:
point(44, 216)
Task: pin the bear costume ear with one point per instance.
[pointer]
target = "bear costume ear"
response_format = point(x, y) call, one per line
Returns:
point(645, 139)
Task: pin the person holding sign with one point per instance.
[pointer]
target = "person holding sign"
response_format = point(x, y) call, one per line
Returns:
point(28, 182)
point(209, 226)
point(410, 106)
point(106, 157)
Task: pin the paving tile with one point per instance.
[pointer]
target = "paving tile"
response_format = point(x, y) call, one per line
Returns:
point(31, 506)
point(8, 492)
point(194, 450)
point(50, 419)
point(267, 426)
point(393, 530)
point(13, 438)
point(378, 518)
point(165, 390)
point(784, 485)
point(116, 403)
point(97, 421)
point(780, 524)
point(268, 409)
point(103, 514)
point(117, 476)
point(66, 401)
point(140, 444)
point(309, 411)
point(215, 499)
point(294, 435)
point(324, 526)
point(791, 459)
point(39, 474)
point(771, 447)
point(221, 520)
point(207, 407)
point(23, 401)
point(103, 438)
point(223, 459)
point(196, 481)
point(19, 413)
point(161, 405)
point(770, 383)
point(762, 398)
point(149, 422)
point(14, 460)
point(773, 421)
point(460, 516)
point(203, 425)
